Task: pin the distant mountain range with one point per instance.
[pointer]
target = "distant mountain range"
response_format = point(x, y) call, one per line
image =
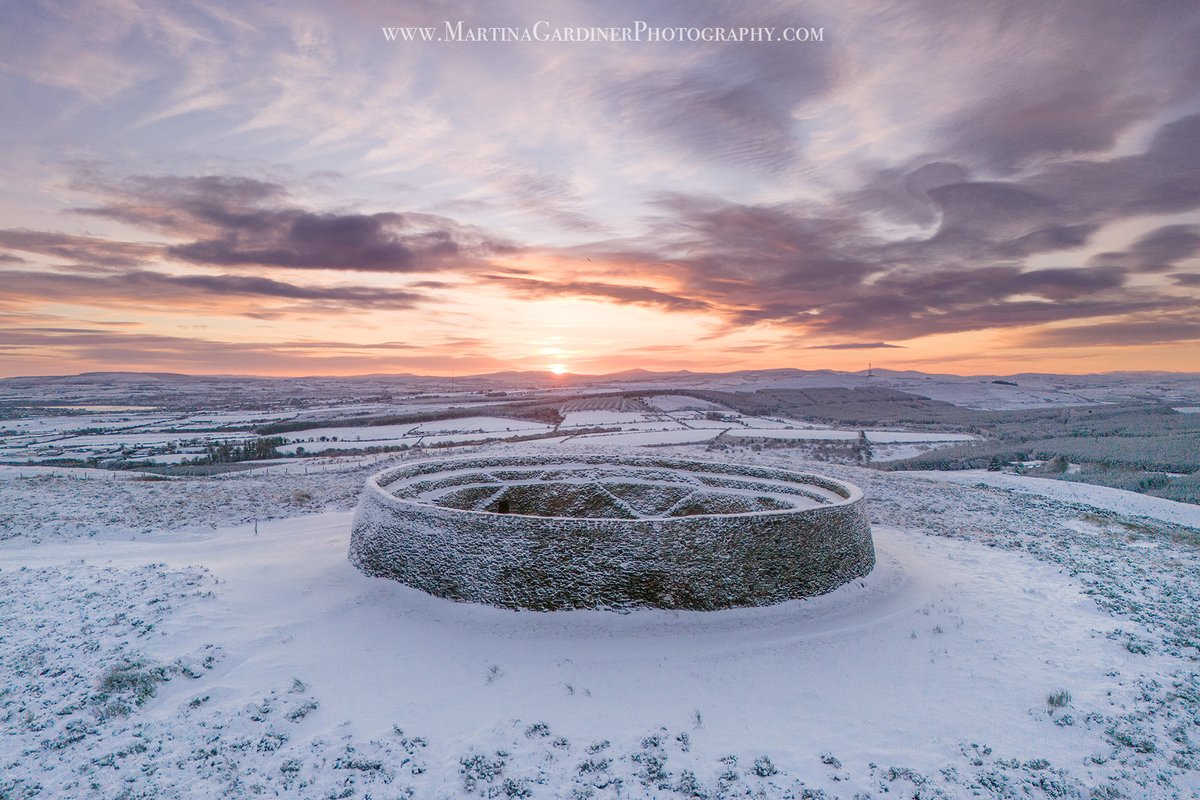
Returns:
point(544, 377)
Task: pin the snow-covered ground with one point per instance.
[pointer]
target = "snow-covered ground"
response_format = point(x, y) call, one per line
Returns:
point(995, 393)
point(207, 638)
point(466, 429)
point(1129, 504)
point(9, 472)
point(679, 402)
point(880, 437)
point(154, 438)
point(604, 417)
point(494, 425)
point(640, 438)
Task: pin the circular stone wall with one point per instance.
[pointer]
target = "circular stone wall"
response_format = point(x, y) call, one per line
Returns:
point(582, 531)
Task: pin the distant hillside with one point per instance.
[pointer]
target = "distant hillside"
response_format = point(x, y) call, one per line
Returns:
point(866, 407)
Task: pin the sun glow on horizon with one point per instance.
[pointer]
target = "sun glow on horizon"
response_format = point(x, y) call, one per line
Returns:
point(557, 369)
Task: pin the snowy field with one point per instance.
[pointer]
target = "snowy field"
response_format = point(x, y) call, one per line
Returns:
point(1011, 392)
point(207, 638)
point(1130, 504)
point(149, 438)
point(875, 437)
point(466, 429)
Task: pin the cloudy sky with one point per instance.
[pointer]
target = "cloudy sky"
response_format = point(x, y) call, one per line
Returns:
point(277, 188)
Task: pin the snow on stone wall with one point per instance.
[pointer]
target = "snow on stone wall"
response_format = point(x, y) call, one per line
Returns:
point(629, 532)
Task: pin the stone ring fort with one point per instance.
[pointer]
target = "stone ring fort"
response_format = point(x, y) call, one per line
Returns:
point(588, 531)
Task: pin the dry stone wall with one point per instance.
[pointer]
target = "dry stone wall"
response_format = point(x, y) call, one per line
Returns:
point(812, 537)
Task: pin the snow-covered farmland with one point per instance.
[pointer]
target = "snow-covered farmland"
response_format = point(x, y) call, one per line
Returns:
point(57, 425)
point(489, 425)
point(678, 402)
point(154, 439)
point(1128, 504)
point(304, 446)
point(640, 438)
point(466, 429)
point(606, 417)
point(875, 437)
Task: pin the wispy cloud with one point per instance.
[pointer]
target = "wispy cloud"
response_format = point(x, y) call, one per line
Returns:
point(1157, 251)
point(144, 289)
point(38, 347)
point(858, 346)
point(1138, 330)
point(243, 222)
point(92, 250)
point(634, 295)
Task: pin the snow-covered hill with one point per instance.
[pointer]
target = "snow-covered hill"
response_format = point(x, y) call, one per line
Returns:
point(1010, 644)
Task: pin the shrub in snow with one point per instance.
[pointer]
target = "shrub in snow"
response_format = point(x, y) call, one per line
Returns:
point(764, 767)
